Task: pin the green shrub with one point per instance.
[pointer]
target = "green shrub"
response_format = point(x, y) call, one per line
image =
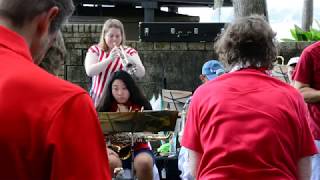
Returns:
point(300, 35)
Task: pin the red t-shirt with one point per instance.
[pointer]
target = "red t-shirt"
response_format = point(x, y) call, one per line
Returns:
point(49, 128)
point(307, 71)
point(248, 125)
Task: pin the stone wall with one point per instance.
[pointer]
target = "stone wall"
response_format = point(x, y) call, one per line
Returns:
point(168, 65)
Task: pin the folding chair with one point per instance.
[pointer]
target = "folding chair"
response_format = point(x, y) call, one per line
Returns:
point(279, 71)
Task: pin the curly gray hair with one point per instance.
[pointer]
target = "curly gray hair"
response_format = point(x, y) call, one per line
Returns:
point(247, 41)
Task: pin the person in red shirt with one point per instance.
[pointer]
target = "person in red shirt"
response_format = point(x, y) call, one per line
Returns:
point(123, 95)
point(307, 80)
point(246, 124)
point(210, 70)
point(48, 127)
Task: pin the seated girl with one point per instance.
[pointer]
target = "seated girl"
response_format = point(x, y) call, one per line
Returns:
point(122, 95)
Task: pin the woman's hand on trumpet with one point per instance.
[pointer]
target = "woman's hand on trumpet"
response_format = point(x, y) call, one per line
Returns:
point(114, 53)
point(118, 51)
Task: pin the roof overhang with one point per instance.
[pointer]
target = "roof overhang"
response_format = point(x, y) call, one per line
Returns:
point(161, 3)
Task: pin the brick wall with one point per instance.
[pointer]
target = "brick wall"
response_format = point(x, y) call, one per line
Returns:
point(171, 65)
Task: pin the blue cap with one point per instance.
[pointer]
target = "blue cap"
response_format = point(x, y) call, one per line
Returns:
point(212, 69)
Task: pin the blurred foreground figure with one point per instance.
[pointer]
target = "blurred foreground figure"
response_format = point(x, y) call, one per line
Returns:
point(306, 79)
point(210, 70)
point(48, 127)
point(246, 124)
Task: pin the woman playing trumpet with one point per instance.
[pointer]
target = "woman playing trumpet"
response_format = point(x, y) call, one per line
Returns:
point(108, 56)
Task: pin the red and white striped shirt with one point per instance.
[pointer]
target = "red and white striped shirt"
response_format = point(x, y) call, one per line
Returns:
point(103, 73)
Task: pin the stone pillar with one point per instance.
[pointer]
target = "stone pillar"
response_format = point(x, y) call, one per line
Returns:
point(149, 7)
point(173, 9)
point(55, 58)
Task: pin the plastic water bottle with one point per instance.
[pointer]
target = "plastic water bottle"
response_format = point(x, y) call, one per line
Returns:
point(173, 145)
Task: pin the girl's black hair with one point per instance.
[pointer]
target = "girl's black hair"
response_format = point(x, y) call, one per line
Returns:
point(136, 96)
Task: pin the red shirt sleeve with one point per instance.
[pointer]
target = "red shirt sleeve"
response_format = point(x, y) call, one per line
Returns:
point(306, 145)
point(304, 69)
point(191, 135)
point(131, 51)
point(75, 142)
point(94, 50)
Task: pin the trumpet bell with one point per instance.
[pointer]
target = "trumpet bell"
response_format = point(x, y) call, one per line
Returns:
point(123, 151)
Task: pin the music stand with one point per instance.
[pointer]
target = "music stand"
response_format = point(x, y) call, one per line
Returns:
point(175, 99)
point(147, 121)
point(150, 121)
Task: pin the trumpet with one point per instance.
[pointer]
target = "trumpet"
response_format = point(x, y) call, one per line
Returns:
point(129, 67)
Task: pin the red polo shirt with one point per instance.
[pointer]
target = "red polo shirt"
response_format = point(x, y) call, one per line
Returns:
point(307, 71)
point(248, 125)
point(48, 127)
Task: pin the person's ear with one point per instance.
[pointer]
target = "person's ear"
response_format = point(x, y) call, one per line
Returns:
point(202, 78)
point(45, 20)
